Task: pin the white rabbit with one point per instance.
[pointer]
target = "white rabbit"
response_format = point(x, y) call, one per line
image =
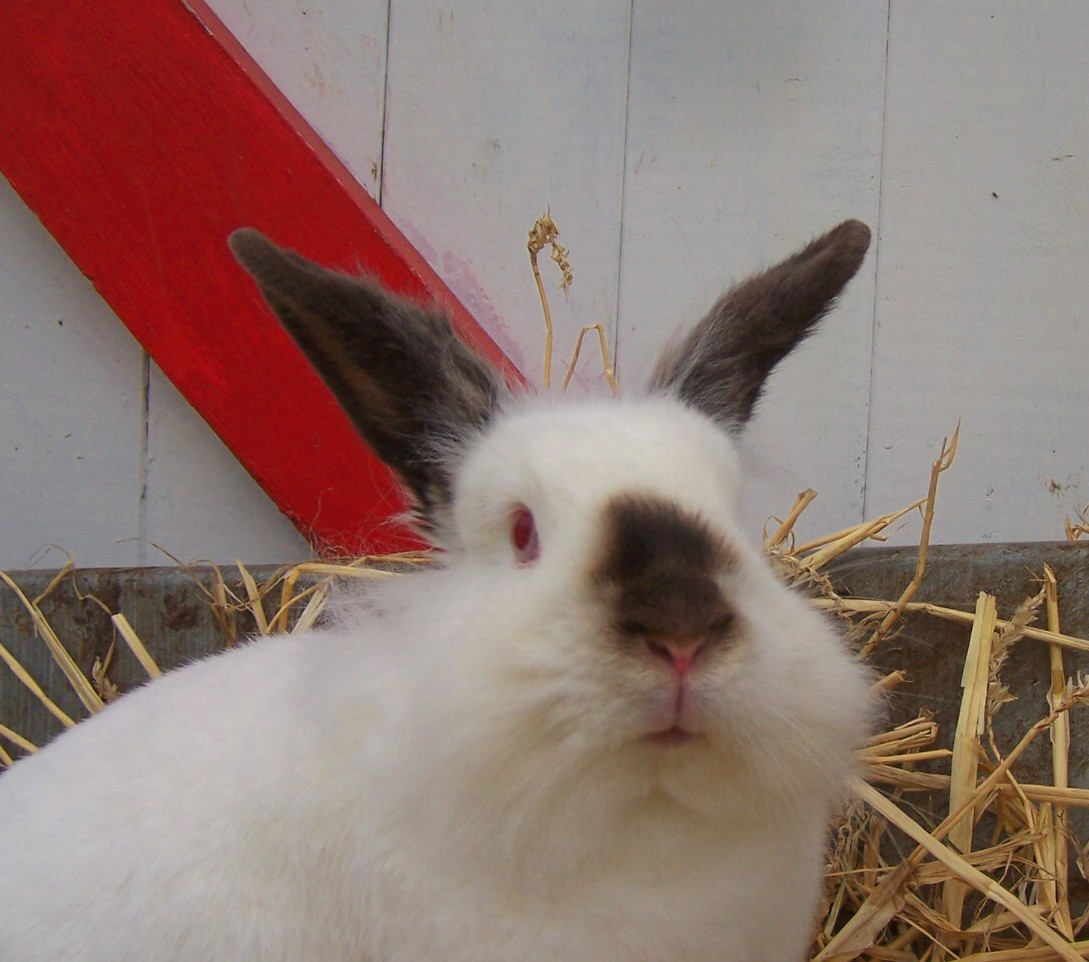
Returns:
point(599, 729)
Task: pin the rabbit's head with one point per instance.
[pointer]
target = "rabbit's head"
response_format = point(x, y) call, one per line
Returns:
point(607, 614)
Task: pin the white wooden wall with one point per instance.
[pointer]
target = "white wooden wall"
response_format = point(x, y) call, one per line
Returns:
point(678, 146)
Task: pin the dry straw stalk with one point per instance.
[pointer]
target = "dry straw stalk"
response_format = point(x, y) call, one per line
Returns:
point(544, 233)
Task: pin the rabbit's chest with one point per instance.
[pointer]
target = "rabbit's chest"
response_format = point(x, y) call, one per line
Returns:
point(732, 912)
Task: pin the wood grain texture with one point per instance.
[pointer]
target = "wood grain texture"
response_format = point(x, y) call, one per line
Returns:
point(496, 111)
point(752, 128)
point(983, 291)
point(141, 141)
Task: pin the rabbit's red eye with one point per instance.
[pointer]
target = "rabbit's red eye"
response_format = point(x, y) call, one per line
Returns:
point(523, 536)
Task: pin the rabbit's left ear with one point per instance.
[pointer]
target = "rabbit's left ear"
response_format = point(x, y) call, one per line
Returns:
point(408, 384)
point(721, 366)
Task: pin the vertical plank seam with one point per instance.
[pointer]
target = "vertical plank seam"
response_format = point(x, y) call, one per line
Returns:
point(867, 441)
point(381, 180)
point(145, 454)
point(617, 359)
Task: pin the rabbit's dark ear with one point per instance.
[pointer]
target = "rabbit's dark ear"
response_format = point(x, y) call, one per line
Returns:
point(400, 373)
point(721, 366)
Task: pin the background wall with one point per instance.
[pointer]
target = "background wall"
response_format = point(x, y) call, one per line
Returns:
point(678, 147)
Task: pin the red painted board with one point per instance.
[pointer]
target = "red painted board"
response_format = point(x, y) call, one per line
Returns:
point(142, 134)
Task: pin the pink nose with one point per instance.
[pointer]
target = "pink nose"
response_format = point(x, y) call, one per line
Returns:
point(680, 651)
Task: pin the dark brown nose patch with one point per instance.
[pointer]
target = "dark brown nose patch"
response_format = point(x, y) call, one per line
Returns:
point(661, 569)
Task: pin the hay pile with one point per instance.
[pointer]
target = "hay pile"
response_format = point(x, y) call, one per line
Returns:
point(982, 871)
point(991, 879)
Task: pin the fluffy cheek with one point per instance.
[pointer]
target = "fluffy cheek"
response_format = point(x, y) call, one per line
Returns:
point(644, 700)
point(718, 695)
point(721, 703)
point(616, 701)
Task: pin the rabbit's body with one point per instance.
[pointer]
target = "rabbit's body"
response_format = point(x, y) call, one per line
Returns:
point(382, 881)
point(601, 729)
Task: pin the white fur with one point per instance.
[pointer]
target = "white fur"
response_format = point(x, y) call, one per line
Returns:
point(456, 771)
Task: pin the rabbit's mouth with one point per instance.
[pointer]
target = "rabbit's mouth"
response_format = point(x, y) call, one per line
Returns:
point(671, 713)
point(672, 737)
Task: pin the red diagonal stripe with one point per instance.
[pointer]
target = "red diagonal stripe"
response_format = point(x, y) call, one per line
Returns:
point(142, 135)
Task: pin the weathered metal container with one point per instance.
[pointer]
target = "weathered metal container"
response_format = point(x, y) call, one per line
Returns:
point(169, 609)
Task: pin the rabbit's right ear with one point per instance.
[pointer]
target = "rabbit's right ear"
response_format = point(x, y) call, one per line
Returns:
point(402, 376)
point(721, 366)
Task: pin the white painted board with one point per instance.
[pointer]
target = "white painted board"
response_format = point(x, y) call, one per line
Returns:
point(71, 408)
point(678, 147)
point(983, 277)
point(497, 111)
point(752, 128)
